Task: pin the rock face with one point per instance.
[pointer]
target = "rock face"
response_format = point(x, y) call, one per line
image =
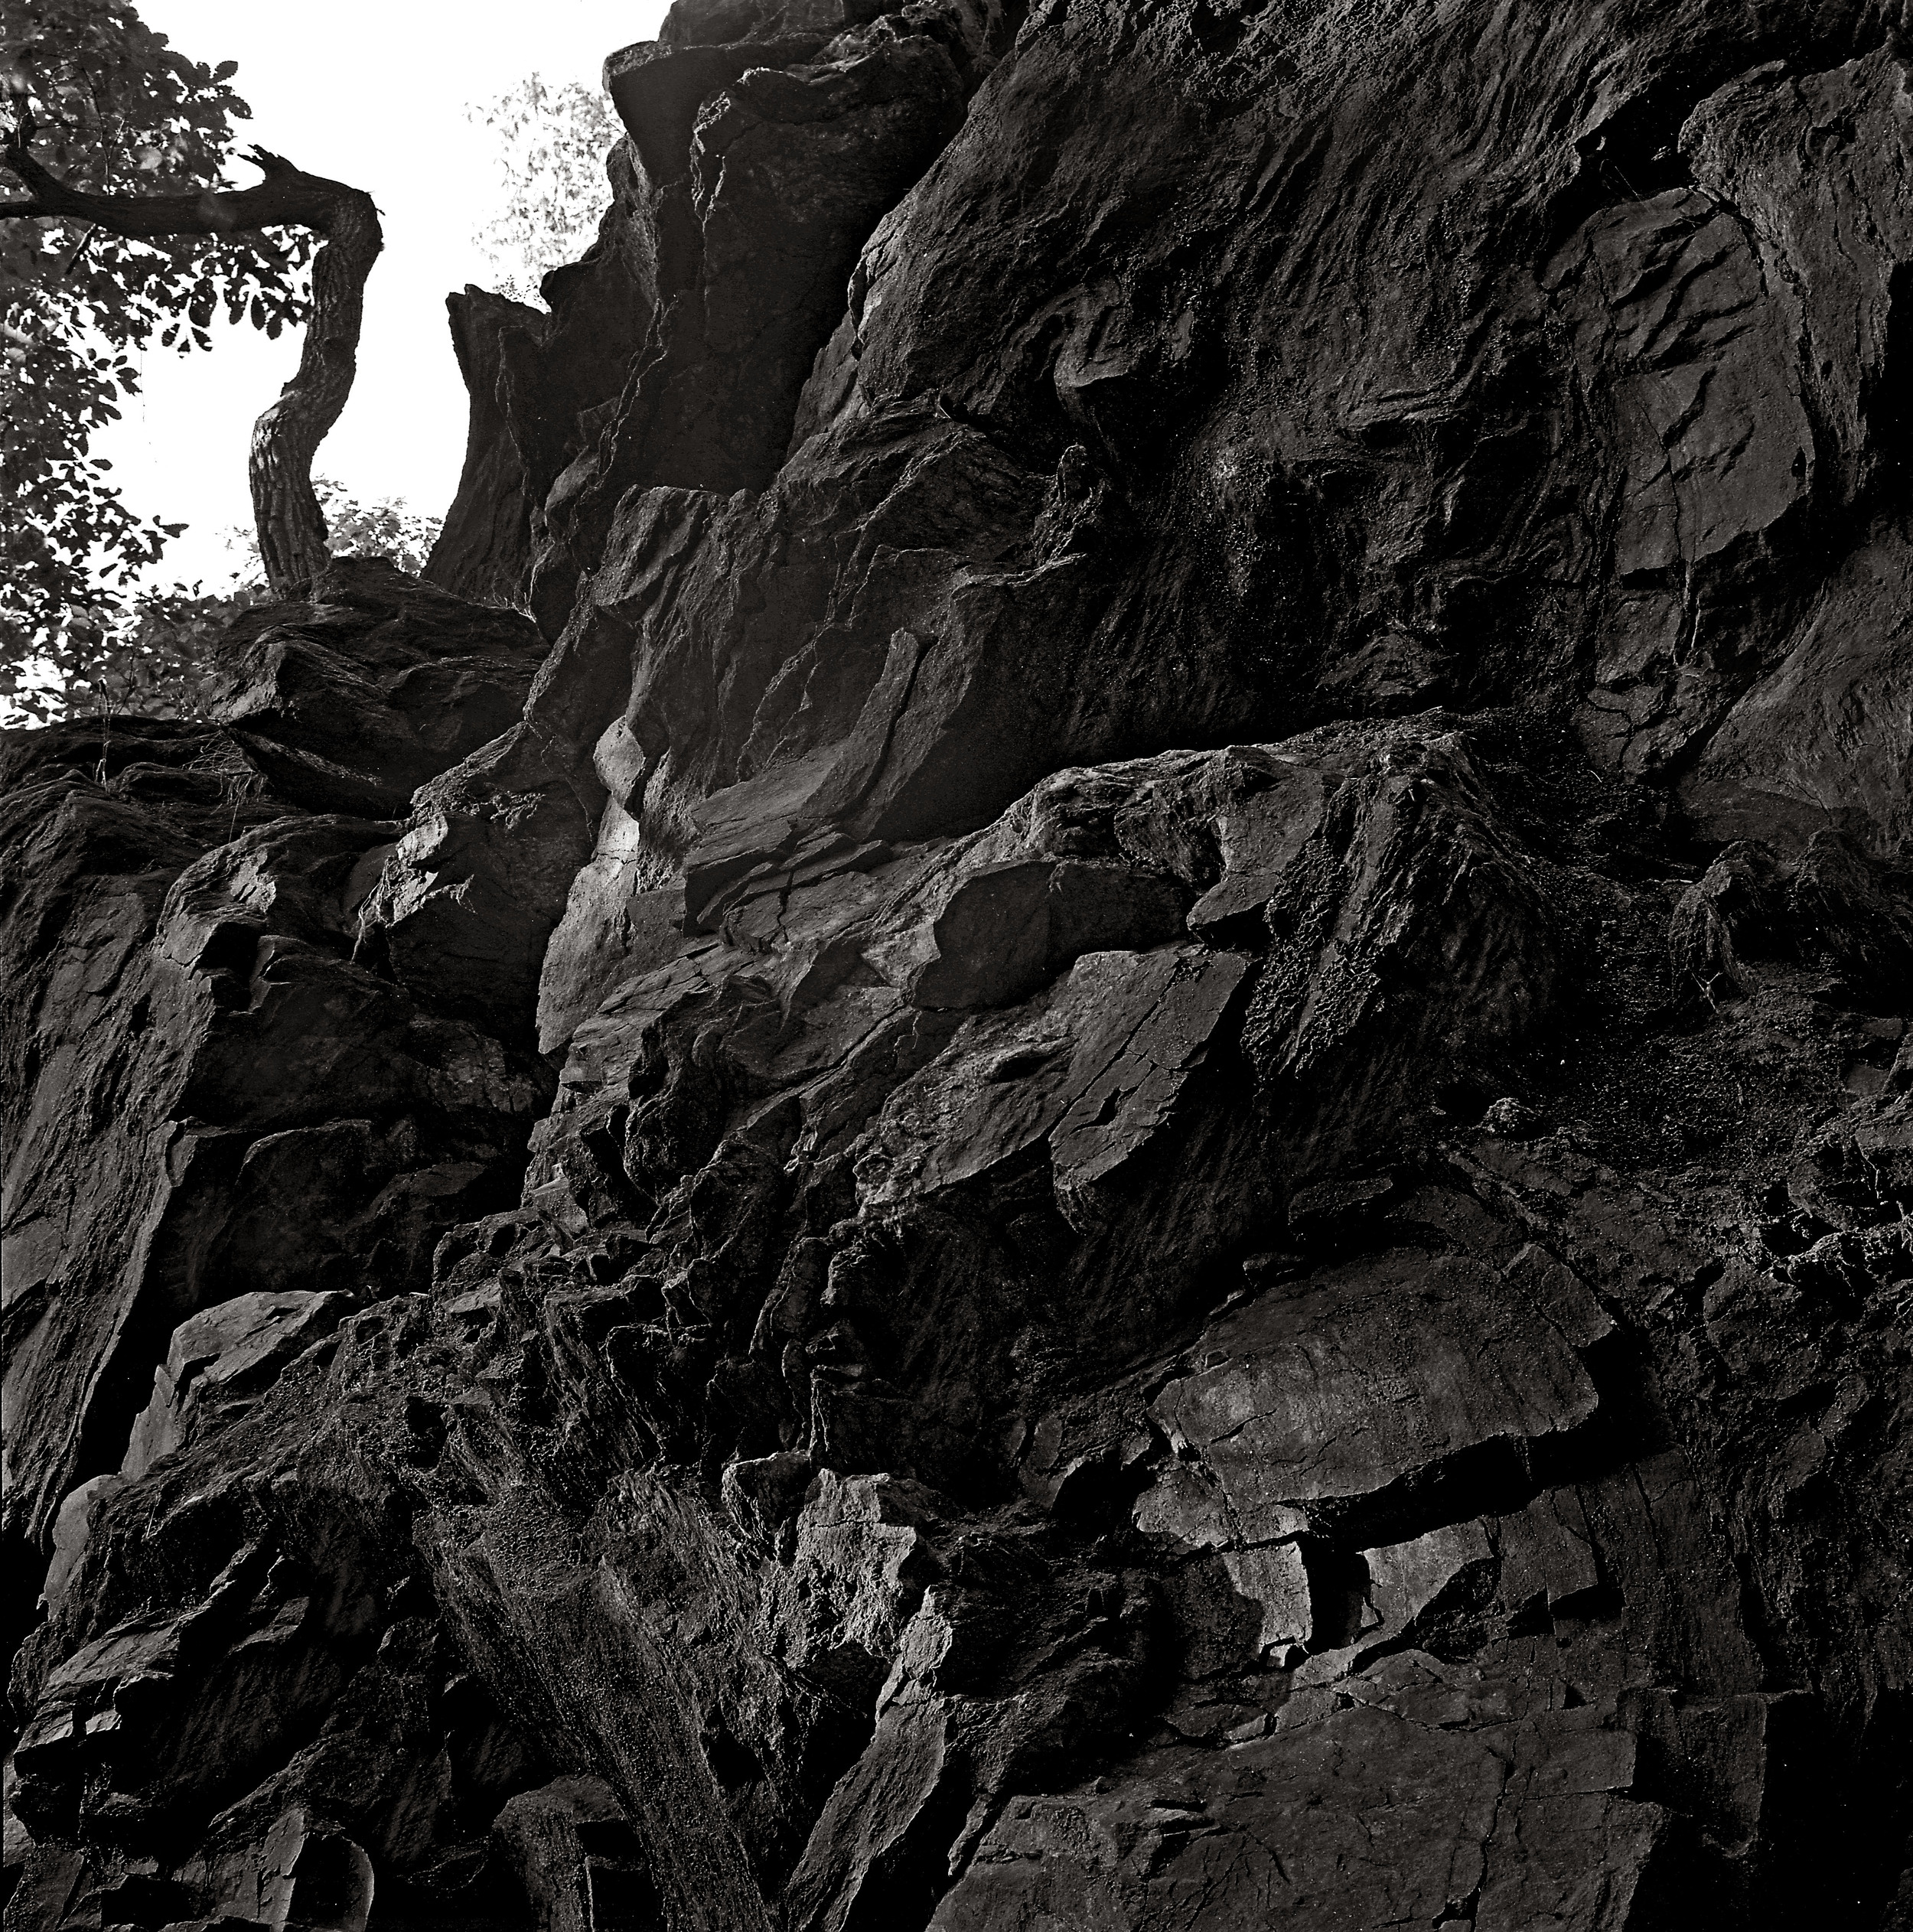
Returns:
point(1122, 1137)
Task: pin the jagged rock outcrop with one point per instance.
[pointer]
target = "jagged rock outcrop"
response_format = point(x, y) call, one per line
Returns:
point(210, 1098)
point(1132, 1145)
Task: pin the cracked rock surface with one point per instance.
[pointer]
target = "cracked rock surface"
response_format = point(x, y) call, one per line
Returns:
point(1078, 1095)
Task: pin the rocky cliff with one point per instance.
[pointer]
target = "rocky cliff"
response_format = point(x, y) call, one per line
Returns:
point(1119, 1138)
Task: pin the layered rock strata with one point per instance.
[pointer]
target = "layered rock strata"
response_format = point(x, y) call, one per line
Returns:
point(1125, 1141)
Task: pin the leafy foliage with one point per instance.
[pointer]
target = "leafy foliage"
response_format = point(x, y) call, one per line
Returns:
point(388, 528)
point(117, 112)
point(160, 652)
point(553, 145)
point(158, 655)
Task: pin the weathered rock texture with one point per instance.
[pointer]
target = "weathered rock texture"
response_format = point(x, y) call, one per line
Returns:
point(1121, 1138)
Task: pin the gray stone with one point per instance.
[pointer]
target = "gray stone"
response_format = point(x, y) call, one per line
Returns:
point(1383, 1372)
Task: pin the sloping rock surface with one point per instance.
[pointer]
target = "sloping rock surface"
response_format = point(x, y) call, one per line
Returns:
point(1122, 1137)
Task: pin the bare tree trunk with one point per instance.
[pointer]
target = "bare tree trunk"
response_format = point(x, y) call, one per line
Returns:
point(291, 532)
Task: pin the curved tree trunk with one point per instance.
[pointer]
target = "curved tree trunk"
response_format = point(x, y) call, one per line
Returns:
point(291, 532)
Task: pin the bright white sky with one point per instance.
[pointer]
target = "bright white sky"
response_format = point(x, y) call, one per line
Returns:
point(373, 92)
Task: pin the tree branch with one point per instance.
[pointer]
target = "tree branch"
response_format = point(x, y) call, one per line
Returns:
point(287, 197)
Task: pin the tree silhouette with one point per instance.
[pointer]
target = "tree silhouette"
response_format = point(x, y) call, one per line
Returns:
point(123, 234)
